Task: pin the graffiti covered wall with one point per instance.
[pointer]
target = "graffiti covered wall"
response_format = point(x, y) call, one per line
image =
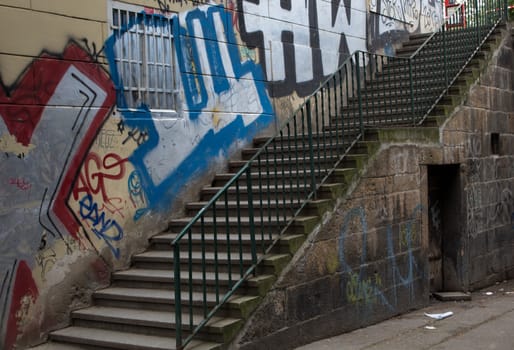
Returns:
point(111, 112)
point(394, 19)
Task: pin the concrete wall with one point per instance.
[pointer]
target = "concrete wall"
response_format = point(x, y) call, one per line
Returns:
point(371, 257)
point(85, 181)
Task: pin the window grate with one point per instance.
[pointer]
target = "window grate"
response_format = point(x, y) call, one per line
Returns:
point(144, 56)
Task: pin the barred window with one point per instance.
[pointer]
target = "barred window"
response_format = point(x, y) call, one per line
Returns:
point(144, 56)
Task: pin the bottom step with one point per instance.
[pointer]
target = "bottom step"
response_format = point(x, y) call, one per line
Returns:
point(61, 346)
point(93, 337)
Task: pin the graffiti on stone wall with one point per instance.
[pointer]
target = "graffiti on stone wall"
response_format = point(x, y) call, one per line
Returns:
point(410, 15)
point(367, 289)
point(488, 204)
point(395, 16)
point(301, 43)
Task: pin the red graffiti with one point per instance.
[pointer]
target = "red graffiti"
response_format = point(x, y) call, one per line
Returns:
point(95, 172)
point(20, 183)
point(22, 105)
point(24, 291)
point(235, 18)
point(82, 61)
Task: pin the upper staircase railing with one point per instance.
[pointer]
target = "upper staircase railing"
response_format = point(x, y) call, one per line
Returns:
point(247, 216)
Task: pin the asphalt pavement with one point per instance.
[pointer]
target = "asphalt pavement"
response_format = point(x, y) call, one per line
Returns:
point(484, 323)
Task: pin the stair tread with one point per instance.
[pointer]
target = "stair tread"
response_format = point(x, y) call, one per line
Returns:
point(50, 345)
point(154, 318)
point(232, 220)
point(168, 275)
point(158, 295)
point(125, 340)
point(245, 237)
point(195, 255)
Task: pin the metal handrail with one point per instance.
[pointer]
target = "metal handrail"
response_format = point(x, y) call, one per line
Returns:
point(322, 130)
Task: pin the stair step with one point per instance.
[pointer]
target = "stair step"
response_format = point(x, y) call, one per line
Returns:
point(235, 221)
point(162, 259)
point(163, 298)
point(291, 176)
point(167, 276)
point(302, 149)
point(196, 238)
point(164, 279)
point(124, 340)
point(284, 242)
point(148, 318)
point(243, 224)
point(303, 138)
point(60, 346)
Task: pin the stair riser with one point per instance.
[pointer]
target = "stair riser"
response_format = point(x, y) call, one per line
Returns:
point(87, 344)
point(222, 245)
point(210, 268)
point(303, 151)
point(196, 266)
point(303, 139)
point(197, 286)
point(302, 177)
point(286, 165)
point(323, 163)
point(264, 179)
point(287, 209)
point(244, 228)
point(275, 195)
point(170, 306)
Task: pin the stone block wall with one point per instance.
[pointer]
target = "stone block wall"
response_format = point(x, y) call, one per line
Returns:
point(370, 259)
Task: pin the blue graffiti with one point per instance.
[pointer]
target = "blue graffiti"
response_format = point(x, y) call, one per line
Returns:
point(137, 195)
point(359, 286)
point(210, 70)
point(108, 230)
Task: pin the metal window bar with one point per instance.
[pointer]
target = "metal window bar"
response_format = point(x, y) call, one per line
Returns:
point(145, 59)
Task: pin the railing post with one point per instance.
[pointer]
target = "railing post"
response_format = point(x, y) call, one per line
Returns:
point(505, 10)
point(311, 148)
point(359, 95)
point(178, 297)
point(477, 22)
point(445, 58)
point(411, 82)
point(250, 213)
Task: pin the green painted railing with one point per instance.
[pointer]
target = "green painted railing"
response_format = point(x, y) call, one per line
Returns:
point(222, 246)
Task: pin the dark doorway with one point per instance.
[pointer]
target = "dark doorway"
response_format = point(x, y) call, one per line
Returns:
point(445, 238)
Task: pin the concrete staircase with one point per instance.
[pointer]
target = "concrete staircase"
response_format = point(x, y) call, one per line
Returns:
point(137, 310)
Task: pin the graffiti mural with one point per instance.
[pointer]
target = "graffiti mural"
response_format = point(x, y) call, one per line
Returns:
point(297, 45)
point(80, 170)
point(397, 16)
point(225, 99)
point(43, 147)
point(366, 289)
point(410, 15)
